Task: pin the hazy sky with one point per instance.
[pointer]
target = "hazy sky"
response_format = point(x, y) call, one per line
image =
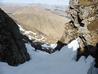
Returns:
point(56, 2)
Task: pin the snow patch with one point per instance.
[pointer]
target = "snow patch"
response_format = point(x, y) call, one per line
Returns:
point(74, 44)
point(49, 45)
point(31, 35)
point(60, 62)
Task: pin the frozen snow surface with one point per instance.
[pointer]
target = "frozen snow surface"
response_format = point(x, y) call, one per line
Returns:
point(60, 62)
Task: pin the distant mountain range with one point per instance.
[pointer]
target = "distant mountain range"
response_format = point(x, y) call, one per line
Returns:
point(57, 9)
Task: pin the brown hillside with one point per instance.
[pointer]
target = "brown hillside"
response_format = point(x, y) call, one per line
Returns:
point(44, 21)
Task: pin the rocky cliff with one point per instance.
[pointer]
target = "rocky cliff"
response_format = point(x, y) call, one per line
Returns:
point(83, 24)
point(12, 45)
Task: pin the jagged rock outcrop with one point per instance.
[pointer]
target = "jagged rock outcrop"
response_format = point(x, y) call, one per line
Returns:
point(12, 46)
point(83, 16)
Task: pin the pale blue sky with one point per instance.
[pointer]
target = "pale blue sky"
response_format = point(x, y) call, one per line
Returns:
point(56, 2)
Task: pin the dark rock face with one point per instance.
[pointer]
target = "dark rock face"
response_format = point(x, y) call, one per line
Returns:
point(59, 45)
point(12, 46)
point(89, 50)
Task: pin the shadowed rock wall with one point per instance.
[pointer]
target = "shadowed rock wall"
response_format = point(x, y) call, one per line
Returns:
point(12, 46)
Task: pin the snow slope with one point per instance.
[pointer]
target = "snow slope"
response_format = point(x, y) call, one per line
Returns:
point(60, 62)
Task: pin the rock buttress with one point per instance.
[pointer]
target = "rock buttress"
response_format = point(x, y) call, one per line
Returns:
point(83, 24)
point(12, 46)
